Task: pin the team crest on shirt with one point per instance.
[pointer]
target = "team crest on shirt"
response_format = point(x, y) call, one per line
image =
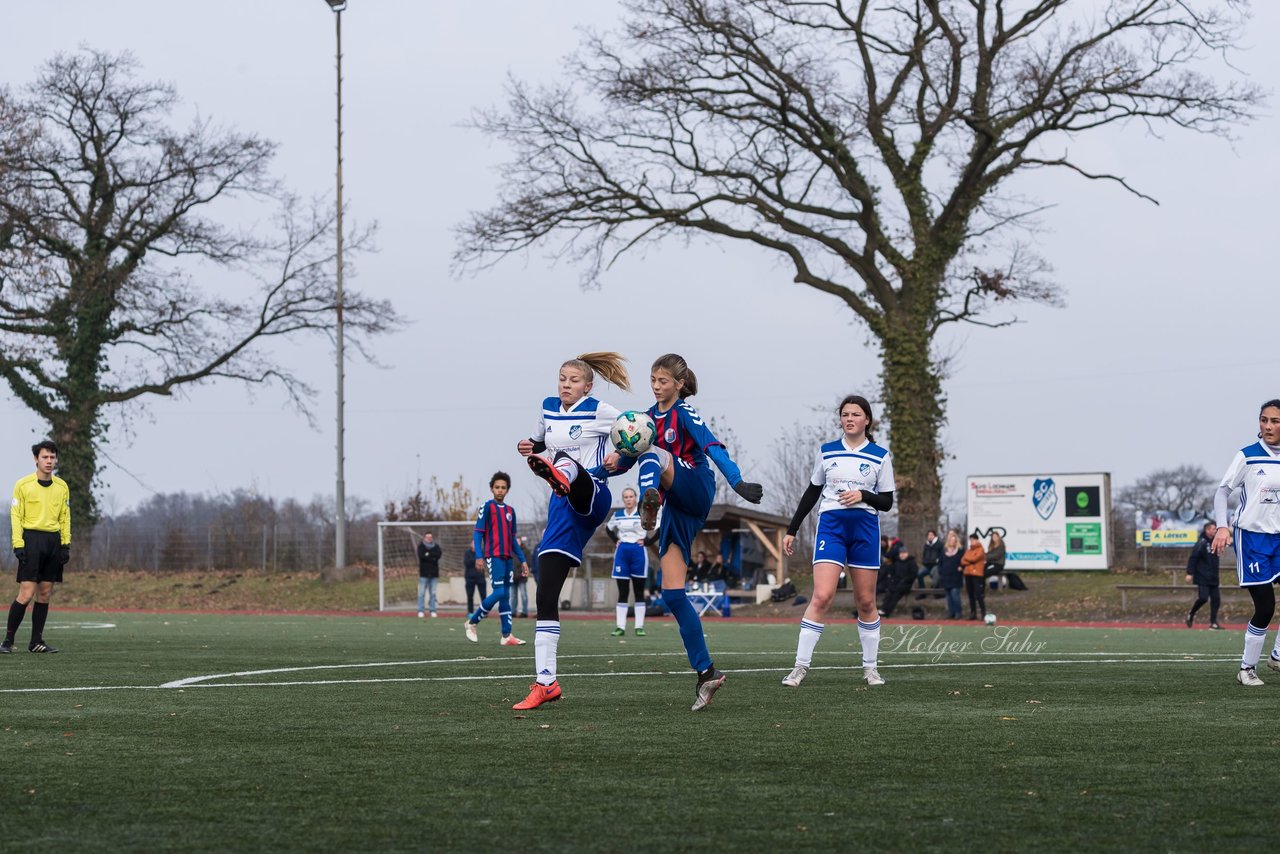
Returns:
point(670, 434)
point(575, 431)
point(1044, 497)
point(508, 515)
point(864, 469)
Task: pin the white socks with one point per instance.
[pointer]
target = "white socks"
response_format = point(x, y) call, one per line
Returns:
point(546, 637)
point(869, 635)
point(810, 634)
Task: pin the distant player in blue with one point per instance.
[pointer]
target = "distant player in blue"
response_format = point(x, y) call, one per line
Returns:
point(630, 560)
point(853, 479)
point(675, 477)
point(495, 543)
point(566, 450)
point(1255, 472)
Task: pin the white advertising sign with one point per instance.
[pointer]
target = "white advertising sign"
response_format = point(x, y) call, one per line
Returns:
point(1049, 521)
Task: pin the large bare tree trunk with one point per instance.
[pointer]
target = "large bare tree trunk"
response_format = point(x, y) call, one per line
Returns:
point(914, 410)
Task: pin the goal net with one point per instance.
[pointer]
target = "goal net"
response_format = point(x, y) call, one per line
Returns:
point(398, 558)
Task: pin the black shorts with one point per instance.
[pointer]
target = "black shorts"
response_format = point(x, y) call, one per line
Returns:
point(42, 564)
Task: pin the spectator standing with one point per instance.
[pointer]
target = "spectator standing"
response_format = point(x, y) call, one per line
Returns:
point(474, 579)
point(429, 553)
point(40, 519)
point(949, 577)
point(520, 584)
point(929, 556)
point(994, 567)
point(1202, 571)
point(972, 564)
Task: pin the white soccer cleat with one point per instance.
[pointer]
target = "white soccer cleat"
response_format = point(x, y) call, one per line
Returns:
point(471, 632)
point(872, 676)
point(1273, 664)
point(1248, 676)
point(422, 616)
point(796, 676)
point(512, 640)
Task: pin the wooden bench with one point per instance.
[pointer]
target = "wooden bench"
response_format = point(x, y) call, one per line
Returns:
point(1185, 588)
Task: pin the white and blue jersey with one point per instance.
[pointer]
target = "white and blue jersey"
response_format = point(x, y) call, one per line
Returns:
point(630, 559)
point(581, 431)
point(850, 536)
point(1255, 472)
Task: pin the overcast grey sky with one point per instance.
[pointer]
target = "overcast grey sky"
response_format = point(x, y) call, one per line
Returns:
point(1161, 356)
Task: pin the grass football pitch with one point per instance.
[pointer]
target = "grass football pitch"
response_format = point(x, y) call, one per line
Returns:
point(212, 732)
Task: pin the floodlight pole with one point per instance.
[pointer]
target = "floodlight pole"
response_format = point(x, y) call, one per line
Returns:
point(340, 525)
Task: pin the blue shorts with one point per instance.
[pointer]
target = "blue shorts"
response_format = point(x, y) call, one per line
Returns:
point(849, 538)
point(1257, 557)
point(568, 531)
point(630, 560)
point(685, 508)
point(499, 569)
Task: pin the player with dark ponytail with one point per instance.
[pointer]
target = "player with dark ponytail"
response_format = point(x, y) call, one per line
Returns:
point(675, 477)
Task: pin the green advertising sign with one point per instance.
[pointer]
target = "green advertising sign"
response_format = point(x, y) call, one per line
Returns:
point(1084, 538)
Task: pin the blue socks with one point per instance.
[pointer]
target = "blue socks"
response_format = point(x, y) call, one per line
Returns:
point(695, 645)
point(650, 466)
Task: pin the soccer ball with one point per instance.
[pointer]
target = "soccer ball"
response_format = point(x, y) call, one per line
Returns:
point(633, 433)
point(990, 619)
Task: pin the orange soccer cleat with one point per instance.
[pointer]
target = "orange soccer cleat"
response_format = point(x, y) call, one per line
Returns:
point(539, 694)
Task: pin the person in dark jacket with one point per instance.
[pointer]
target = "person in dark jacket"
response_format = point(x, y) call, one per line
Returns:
point(950, 578)
point(903, 576)
point(1202, 571)
point(428, 571)
point(929, 556)
point(474, 578)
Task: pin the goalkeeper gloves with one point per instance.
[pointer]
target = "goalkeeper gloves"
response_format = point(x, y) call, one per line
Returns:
point(21, 555)
point(753, 492)
point(64, 555)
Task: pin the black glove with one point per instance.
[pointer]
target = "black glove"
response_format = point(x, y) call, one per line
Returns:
point(21, 555)
point(64, 555)
point(753, 492)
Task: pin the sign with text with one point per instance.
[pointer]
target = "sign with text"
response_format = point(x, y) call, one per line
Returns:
point(1049, 521)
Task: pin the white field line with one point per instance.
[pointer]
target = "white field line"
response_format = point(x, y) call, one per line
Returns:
point(207, 680)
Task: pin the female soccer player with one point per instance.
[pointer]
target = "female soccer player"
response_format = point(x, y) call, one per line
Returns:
point(630, 560)
point(853, 478)
point(675, 477)
point(574, 430)
point(1255, 471)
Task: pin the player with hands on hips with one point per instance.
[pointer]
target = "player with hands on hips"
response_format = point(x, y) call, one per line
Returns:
point(566, 450)
point(1255, 473)
point(675, 476)
point(852, 484)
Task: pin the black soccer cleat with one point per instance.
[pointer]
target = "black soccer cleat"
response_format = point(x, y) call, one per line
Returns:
point(41, 646)
point(6, 648)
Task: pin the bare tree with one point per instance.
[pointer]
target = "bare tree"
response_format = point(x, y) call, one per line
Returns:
point(1185, 491)
point(868, 145)
point(790, 470)
point(106, 249)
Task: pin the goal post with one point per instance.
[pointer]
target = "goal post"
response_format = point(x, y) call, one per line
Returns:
point(398, 557)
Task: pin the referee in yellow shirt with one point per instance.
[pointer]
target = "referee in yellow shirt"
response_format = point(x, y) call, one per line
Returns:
point(41, 525)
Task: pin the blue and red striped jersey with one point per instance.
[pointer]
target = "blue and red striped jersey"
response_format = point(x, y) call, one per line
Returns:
point(495, 534)
point(682, 432)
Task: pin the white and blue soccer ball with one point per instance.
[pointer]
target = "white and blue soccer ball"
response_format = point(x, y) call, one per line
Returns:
point(990, 619)
point(633, 433)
